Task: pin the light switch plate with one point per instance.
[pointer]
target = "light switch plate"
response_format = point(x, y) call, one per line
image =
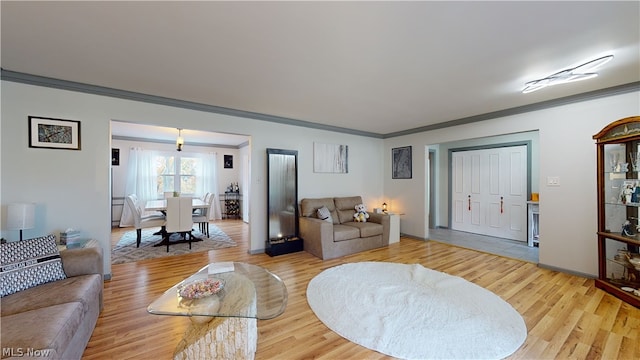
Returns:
point(553, 181)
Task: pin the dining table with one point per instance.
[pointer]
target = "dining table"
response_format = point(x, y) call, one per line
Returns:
point(161, 205)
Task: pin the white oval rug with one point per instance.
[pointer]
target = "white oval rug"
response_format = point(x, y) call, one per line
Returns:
point(411, 312)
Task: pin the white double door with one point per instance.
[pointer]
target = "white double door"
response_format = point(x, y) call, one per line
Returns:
point(489, 192)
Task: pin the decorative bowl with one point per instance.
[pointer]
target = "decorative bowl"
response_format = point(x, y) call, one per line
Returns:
point(200, 288)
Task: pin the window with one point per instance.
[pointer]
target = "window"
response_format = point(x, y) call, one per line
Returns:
point(177, 173)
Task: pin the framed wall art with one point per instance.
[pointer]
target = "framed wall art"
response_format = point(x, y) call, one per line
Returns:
point(330, 158)
point(401, 163)
point(228, 161)
point(115, 157)
point(52, 133)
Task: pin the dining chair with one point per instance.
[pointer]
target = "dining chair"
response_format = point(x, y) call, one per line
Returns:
point(204, 199)
point(139, 221)
point(179, 219)
point(201, 217)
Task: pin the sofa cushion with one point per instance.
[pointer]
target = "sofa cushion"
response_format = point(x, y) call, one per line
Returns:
point(367, 228)
point(346, 207)
point(82, 261)
point(344, 232)
point(47, 330)
point(83, 289)
point(28, 263)
point(309, 207)
point(325, 214)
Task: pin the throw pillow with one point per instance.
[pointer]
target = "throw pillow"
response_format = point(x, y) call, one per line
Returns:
point(325, 214)
point(28, 263)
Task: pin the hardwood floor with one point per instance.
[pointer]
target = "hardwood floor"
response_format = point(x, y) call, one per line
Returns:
point(566, 316)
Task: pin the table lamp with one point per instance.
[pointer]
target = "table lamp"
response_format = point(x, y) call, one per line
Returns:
point(21, 216)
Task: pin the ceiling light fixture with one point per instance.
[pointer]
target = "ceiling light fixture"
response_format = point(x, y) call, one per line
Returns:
point(179, 140)
point(578, 73)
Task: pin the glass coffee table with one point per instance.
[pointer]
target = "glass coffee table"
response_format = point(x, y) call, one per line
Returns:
point(224, 302)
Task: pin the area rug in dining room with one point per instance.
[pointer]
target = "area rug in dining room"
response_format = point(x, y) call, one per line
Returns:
point(411, 312)
point(126, 250)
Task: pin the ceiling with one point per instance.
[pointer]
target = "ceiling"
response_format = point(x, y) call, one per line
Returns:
point(375, 67)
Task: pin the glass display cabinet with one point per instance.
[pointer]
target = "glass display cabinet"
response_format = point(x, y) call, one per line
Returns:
point(618, 152)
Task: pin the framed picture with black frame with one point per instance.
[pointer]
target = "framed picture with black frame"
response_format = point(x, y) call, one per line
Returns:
point(115, 157)
point(401, 163)
point(50, 133)
point(228, 161)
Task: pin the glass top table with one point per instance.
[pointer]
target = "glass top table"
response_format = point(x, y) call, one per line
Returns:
point(246, 291)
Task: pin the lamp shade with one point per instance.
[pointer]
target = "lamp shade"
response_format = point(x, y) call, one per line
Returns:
point(21, 216)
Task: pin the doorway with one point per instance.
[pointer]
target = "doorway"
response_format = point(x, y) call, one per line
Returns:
point(489, 188)
point(197, 143)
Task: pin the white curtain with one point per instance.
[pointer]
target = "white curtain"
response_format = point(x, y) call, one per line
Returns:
point(141, 181)
point(208, 182)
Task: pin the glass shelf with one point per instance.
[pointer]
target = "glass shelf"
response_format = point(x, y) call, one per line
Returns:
point(632, 204)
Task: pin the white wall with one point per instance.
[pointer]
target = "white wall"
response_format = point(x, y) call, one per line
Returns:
point(568, 213)
point(72, 188)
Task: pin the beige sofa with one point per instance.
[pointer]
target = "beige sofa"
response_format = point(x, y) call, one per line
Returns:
point(55, 320)
point(341, 236)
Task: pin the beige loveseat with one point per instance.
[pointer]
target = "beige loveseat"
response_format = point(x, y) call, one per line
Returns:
point(55, 320)
point(341, 235)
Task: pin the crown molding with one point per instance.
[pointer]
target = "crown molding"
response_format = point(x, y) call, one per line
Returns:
point(592, 95)
point(129, 95)
point(159, 100)
point(186, 143)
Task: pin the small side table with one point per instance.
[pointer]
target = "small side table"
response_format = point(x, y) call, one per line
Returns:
point(394, 228)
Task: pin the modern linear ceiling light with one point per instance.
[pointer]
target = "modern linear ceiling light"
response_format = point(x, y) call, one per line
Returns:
point(578, 73)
